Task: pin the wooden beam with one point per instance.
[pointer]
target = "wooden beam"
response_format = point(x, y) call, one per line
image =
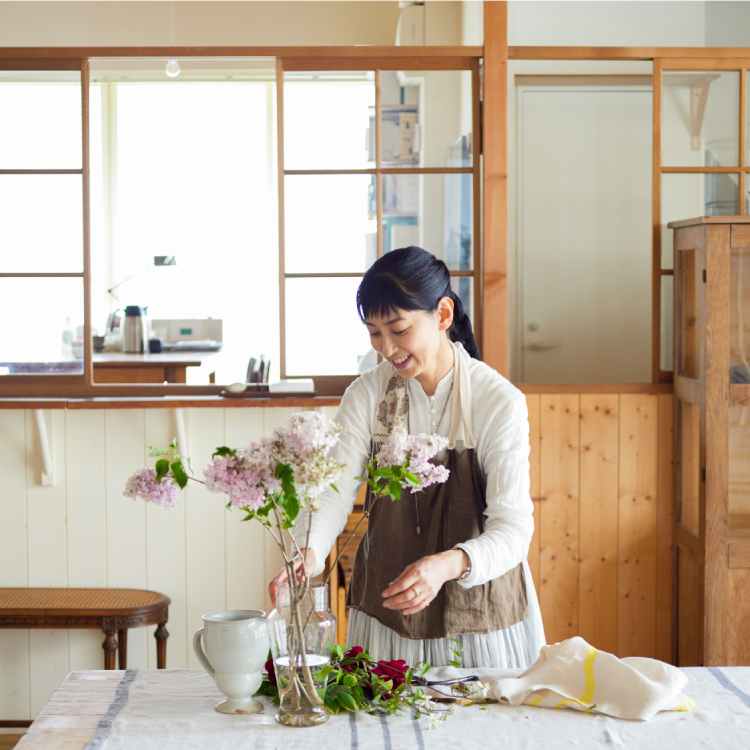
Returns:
point(495, 206)
point(656, 227)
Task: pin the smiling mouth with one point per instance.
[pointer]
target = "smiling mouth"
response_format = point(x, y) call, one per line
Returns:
point(401, 362)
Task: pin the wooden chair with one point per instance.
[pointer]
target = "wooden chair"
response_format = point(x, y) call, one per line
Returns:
point(113, 611)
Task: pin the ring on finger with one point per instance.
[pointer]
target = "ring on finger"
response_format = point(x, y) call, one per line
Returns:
point(416, 593)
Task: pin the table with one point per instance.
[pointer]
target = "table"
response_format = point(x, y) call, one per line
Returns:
point(116, 367)
point(173, 709)
point(111, 610)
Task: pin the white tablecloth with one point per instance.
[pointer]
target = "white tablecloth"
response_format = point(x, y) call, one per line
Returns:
point(174, 709)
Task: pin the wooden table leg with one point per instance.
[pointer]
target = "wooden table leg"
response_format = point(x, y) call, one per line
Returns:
point(122, 648)
point(161, 636)
point(110, 642)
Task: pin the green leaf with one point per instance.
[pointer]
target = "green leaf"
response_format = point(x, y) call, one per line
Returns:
point(250, 515)
point(349, 680)
point(325, 671)
point(338, 653)
point(154, 451)
point(394, 489)
point(456, 664)
point(179, 474)
point(425, 669)
point(346, 701)
point(409, 676)
point(162, 468)
point(456, 640)
point(334, 487)
point(224, 451)
point(173, 444)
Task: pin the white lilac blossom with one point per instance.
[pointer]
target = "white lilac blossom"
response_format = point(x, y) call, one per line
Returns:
point(304, 444)
point(143, 484)
point(417, 450)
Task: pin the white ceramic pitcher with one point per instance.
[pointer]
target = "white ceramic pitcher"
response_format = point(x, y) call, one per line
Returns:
point(233, 647)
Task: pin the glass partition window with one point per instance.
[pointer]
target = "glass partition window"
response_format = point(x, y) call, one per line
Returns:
point(357, 186)
point(41, 223)
point(185, 168)
point(703, 168)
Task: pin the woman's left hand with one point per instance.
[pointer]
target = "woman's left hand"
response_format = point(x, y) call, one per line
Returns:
point(420, 582)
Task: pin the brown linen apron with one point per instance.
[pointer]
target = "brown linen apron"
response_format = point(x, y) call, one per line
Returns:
point(449, 514)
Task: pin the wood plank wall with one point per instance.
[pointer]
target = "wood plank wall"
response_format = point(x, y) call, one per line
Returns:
point(601, 555)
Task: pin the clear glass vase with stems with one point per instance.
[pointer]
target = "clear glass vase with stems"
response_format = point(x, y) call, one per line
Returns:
point(303, 632)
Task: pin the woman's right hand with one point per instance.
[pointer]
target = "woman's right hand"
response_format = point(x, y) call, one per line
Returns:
point(282, 577)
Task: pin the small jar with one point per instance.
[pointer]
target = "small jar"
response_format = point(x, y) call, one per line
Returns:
point(302, 633)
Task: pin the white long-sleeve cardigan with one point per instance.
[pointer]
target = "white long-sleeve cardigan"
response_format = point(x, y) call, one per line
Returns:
point(501, 429)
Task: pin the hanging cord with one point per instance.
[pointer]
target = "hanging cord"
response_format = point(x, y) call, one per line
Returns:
point(741, 327)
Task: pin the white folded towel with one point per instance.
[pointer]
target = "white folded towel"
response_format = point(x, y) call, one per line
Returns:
point(572, 674)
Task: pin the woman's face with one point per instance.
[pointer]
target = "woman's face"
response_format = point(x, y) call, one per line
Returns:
point(413, 341)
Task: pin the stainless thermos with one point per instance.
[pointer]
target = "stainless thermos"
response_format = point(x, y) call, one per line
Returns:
point(135, 330)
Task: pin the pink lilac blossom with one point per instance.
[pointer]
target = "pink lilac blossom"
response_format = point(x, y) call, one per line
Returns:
point(402, 449)
point(247, 477)
point(143, 484)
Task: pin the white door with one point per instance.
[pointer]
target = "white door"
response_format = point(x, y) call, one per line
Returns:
point(584, 235)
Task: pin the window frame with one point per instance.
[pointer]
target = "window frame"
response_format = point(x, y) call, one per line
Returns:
point(338, 383)
point(315, 58)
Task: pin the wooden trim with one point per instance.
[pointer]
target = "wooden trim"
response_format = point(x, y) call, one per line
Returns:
point(476, 201)
point(495, 205)
point(282, 231)
point(666, 272)
point(674, 57)
point(687, 541)
point(342, 275)
point(739, 394)
point(74, 275)
point(88, 365)
point(687, 389)
point(700, 170)
point(379, 240)
point(595, 79)
point(741, 188)
point(740, 236)
point(716, 451)
point(380, 63)
point(356, 53)
point(41, 171)
point(15, 723)
point(656, 226)
point(698, 220)
point(383, 170)
point(710, 62)
point(22, 62)
point(560, 388)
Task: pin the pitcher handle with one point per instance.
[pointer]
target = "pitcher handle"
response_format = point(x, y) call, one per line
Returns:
point(200, 653)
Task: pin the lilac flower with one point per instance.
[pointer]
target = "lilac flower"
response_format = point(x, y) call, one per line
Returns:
point(247, 477)
point(143, 484)
point(414, 452)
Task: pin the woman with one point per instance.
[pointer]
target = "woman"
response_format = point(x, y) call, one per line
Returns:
point(449, 563)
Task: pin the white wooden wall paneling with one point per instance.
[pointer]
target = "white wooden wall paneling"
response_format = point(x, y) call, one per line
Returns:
point(82, 532)
point(124, 440)
point(246, 574)
point(47, 550)
point(166, 552)
point(204, 527)
point(86, 509)
point(14, 644)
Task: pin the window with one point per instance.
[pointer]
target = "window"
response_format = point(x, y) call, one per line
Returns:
point(372, 160)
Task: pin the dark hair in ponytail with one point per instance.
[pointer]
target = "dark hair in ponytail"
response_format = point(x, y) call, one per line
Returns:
point(413, 279)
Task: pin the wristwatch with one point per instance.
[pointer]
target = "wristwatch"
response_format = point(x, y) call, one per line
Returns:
point(466, 572)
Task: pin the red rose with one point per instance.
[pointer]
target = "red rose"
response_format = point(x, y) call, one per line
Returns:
point(271, 672)
point(353, 653)
point(392, 670)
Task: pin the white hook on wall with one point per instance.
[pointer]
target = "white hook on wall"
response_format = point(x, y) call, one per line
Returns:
point(48, 466)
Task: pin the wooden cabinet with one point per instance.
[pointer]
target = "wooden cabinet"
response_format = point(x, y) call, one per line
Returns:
point(711, 426)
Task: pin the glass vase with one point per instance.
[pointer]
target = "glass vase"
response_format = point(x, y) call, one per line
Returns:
point(303, 631)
